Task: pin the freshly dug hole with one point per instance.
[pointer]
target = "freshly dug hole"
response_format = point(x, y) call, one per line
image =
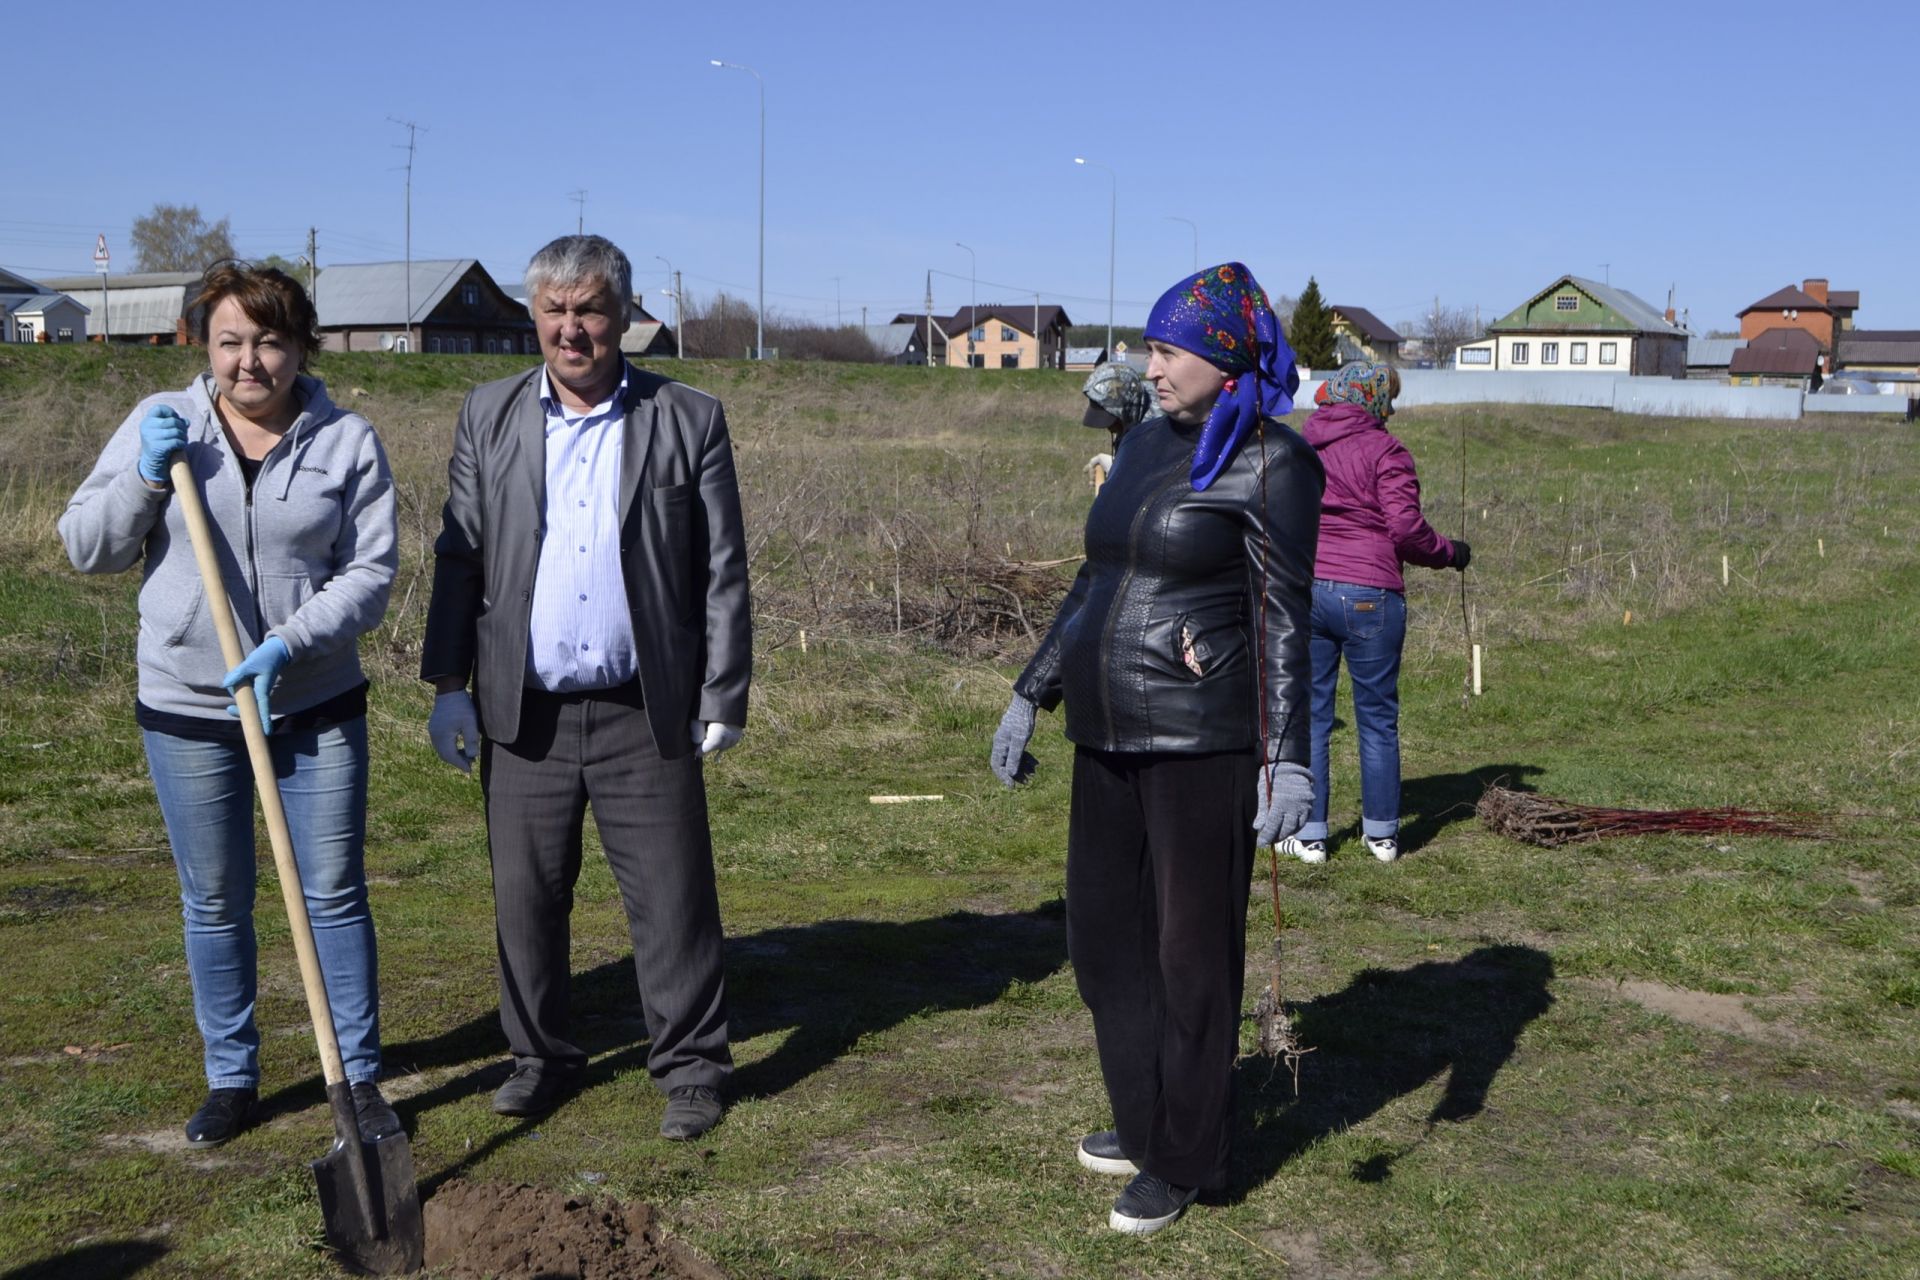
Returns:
point(477, 1230)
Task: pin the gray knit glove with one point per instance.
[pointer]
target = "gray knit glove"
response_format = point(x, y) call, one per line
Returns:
point(1010, 761)
point(1285, 797)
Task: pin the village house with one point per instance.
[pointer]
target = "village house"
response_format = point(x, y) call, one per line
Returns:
point(932, 332)
point(1782, 357)
point(902, 342)
point(1576, 325)
point(32, 312)
point(150, 307)
point(998, 336)
point(1358, 334)
point(1814, 309)
point(1883, 355)
point(1708, 358)
point(457, 309)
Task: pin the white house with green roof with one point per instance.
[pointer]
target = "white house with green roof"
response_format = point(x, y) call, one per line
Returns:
point(1576, 325)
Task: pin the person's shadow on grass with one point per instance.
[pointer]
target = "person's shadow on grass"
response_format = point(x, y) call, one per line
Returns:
point(1431, 804)
point(1388, 1034)
point(99, 1260)
point(832, 982)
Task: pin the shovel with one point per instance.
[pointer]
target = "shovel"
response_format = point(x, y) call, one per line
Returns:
point(368, 1201)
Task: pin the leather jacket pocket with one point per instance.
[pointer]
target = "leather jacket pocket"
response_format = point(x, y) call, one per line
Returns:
point(1205, 647)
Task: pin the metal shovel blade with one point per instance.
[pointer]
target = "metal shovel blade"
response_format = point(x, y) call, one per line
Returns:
point(380, 1232)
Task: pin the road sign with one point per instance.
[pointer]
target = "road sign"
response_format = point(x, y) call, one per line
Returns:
point(100, 254)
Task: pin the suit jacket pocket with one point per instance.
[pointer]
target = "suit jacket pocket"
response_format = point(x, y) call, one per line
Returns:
point(673, 512)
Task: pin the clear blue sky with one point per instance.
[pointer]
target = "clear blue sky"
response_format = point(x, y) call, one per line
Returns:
point(1470, 152)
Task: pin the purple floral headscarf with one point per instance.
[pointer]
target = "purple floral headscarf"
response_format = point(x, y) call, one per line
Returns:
point(1222, 315)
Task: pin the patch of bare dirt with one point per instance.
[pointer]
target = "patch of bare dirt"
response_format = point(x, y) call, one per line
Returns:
point(1306, 1260)
point(484, 1230)
point(1867, 885)
point(1730, 1014)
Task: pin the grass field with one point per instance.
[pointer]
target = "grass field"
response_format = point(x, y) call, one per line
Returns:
point(1648, 1057)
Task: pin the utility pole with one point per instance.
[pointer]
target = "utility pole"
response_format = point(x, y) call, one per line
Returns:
point(411, 129)
point(579, 198)
point(313, 258)
point(1036, 331)
point(929, 319)
point(679, 321)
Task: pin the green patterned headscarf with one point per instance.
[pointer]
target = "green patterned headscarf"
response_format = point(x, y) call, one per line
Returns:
point(1363, 383)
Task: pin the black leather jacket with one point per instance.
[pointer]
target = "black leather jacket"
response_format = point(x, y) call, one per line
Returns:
point(1153, 649)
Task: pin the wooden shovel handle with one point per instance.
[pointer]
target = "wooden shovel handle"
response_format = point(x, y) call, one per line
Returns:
point(200, 533)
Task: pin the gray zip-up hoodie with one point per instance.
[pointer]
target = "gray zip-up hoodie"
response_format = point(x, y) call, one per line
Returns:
point(308, 556)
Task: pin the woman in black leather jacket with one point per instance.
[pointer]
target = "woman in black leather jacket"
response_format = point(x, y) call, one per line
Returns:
point(1181, 654)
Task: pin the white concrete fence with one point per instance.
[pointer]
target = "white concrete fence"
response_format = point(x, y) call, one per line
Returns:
point(1622, 393)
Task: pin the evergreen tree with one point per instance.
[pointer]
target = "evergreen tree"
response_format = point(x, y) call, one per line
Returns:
point(1311, 334)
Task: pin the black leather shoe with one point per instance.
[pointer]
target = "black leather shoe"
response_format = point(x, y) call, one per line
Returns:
point(376, 1119)
point(1148, 1204)
point(1101, 1153)
point(224, 1114)
point(692, 1109)
point(533, 1091)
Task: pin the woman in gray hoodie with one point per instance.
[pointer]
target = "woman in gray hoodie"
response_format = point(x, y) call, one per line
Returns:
point(301, 502)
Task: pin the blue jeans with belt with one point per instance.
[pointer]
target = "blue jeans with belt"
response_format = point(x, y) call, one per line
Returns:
point(1367, 626)
point(206, 797)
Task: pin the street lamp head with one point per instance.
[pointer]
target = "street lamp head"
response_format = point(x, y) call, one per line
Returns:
point(716, 62)
point(1079, 159)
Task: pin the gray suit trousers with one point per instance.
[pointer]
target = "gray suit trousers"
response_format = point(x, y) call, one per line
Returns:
point(595, 749)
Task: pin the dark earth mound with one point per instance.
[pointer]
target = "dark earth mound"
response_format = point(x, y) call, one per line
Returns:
point(477, 1230)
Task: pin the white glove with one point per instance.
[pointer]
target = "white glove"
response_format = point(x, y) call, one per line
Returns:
point(454, 727)
point(712, 737)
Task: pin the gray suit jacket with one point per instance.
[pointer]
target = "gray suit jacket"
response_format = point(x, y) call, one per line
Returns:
point(682, 550)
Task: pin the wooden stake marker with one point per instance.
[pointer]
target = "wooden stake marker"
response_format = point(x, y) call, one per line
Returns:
point(1476, 671)
point(1726, 571)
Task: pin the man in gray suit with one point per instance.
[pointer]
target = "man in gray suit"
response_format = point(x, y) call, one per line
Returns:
point(590, 581)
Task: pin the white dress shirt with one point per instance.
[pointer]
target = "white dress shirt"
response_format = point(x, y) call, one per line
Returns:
point(580, 634)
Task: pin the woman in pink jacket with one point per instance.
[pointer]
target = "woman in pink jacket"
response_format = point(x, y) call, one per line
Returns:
point(1370, 524)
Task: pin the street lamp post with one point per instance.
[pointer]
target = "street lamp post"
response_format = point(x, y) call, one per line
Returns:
point(760, 313)
point(973, 299)
point(1193, 227)
point(1113, 223)
point(679, 324)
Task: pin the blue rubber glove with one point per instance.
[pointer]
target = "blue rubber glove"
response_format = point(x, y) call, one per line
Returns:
point(262, 666)
point(1284, 794)
point(163, 433)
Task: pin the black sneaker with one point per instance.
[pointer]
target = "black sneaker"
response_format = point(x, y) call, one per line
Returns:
point(535, 1090)
point(224, 1114)
point(692, 1109)
point(1101, 1153)
point(1148, 1204)
point(376, 1119)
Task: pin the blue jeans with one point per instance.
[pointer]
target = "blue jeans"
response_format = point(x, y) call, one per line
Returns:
point(206, 797)
point(1368, 626)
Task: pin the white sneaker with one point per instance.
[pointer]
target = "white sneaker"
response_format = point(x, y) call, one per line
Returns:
point(1386, 848)
point(1314, 851)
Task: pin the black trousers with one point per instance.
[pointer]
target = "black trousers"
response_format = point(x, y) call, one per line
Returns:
point(576, 750)
point(1159, 866)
